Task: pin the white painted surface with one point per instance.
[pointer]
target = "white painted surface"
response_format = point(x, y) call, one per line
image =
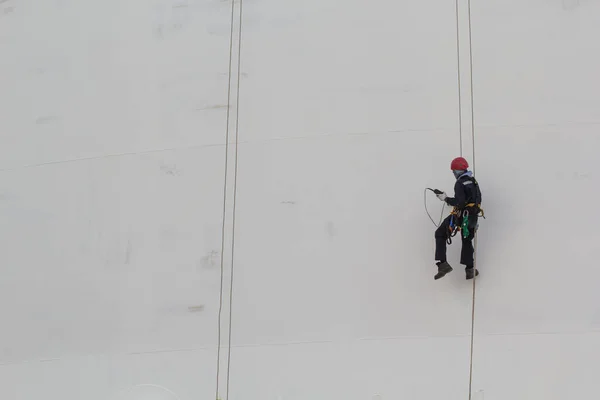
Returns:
point(114, 193)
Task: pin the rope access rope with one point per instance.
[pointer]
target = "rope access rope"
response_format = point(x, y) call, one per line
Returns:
point(235, 179)
point(458, 79)
point(222, 269)
point(475, 233)
point(460, 129)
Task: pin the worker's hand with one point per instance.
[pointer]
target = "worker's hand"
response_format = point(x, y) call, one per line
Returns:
point(442, 196)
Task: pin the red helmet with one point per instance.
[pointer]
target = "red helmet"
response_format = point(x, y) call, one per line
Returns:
point(459, 163)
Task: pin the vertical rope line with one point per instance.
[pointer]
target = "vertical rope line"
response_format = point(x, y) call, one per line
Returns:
point(458, 78)
point(235, 179)
point(224, 201)
point(471, 85)
point(475, 239)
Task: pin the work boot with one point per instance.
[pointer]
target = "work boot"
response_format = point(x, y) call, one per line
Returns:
point(470, 274)
point(443, 269)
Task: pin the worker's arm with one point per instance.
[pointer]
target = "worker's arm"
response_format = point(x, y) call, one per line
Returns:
point(460, 197)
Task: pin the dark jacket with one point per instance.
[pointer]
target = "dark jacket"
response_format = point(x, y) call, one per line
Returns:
point(466, 191)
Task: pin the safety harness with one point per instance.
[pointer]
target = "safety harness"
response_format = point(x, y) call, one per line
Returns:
point(462, 216)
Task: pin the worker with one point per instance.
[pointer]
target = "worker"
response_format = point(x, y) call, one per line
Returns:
point(463, 218)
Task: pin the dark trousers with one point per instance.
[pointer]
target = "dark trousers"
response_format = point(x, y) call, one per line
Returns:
point(442, 233)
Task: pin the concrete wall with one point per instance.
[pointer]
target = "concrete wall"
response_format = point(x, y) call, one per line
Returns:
point(191, 213)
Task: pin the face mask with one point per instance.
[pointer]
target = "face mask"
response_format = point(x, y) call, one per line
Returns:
point(457, 173)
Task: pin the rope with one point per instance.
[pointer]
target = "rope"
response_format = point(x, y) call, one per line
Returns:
point(475, 233)
point(224, 202)
point(225, 199)
point(235, 179)
point(461, 153)
point(458, 79)
point(471, 85)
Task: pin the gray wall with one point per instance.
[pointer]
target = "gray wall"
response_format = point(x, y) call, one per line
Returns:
point(150, 211)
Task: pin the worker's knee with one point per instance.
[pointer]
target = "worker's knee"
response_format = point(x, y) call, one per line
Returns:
point(440, 233)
